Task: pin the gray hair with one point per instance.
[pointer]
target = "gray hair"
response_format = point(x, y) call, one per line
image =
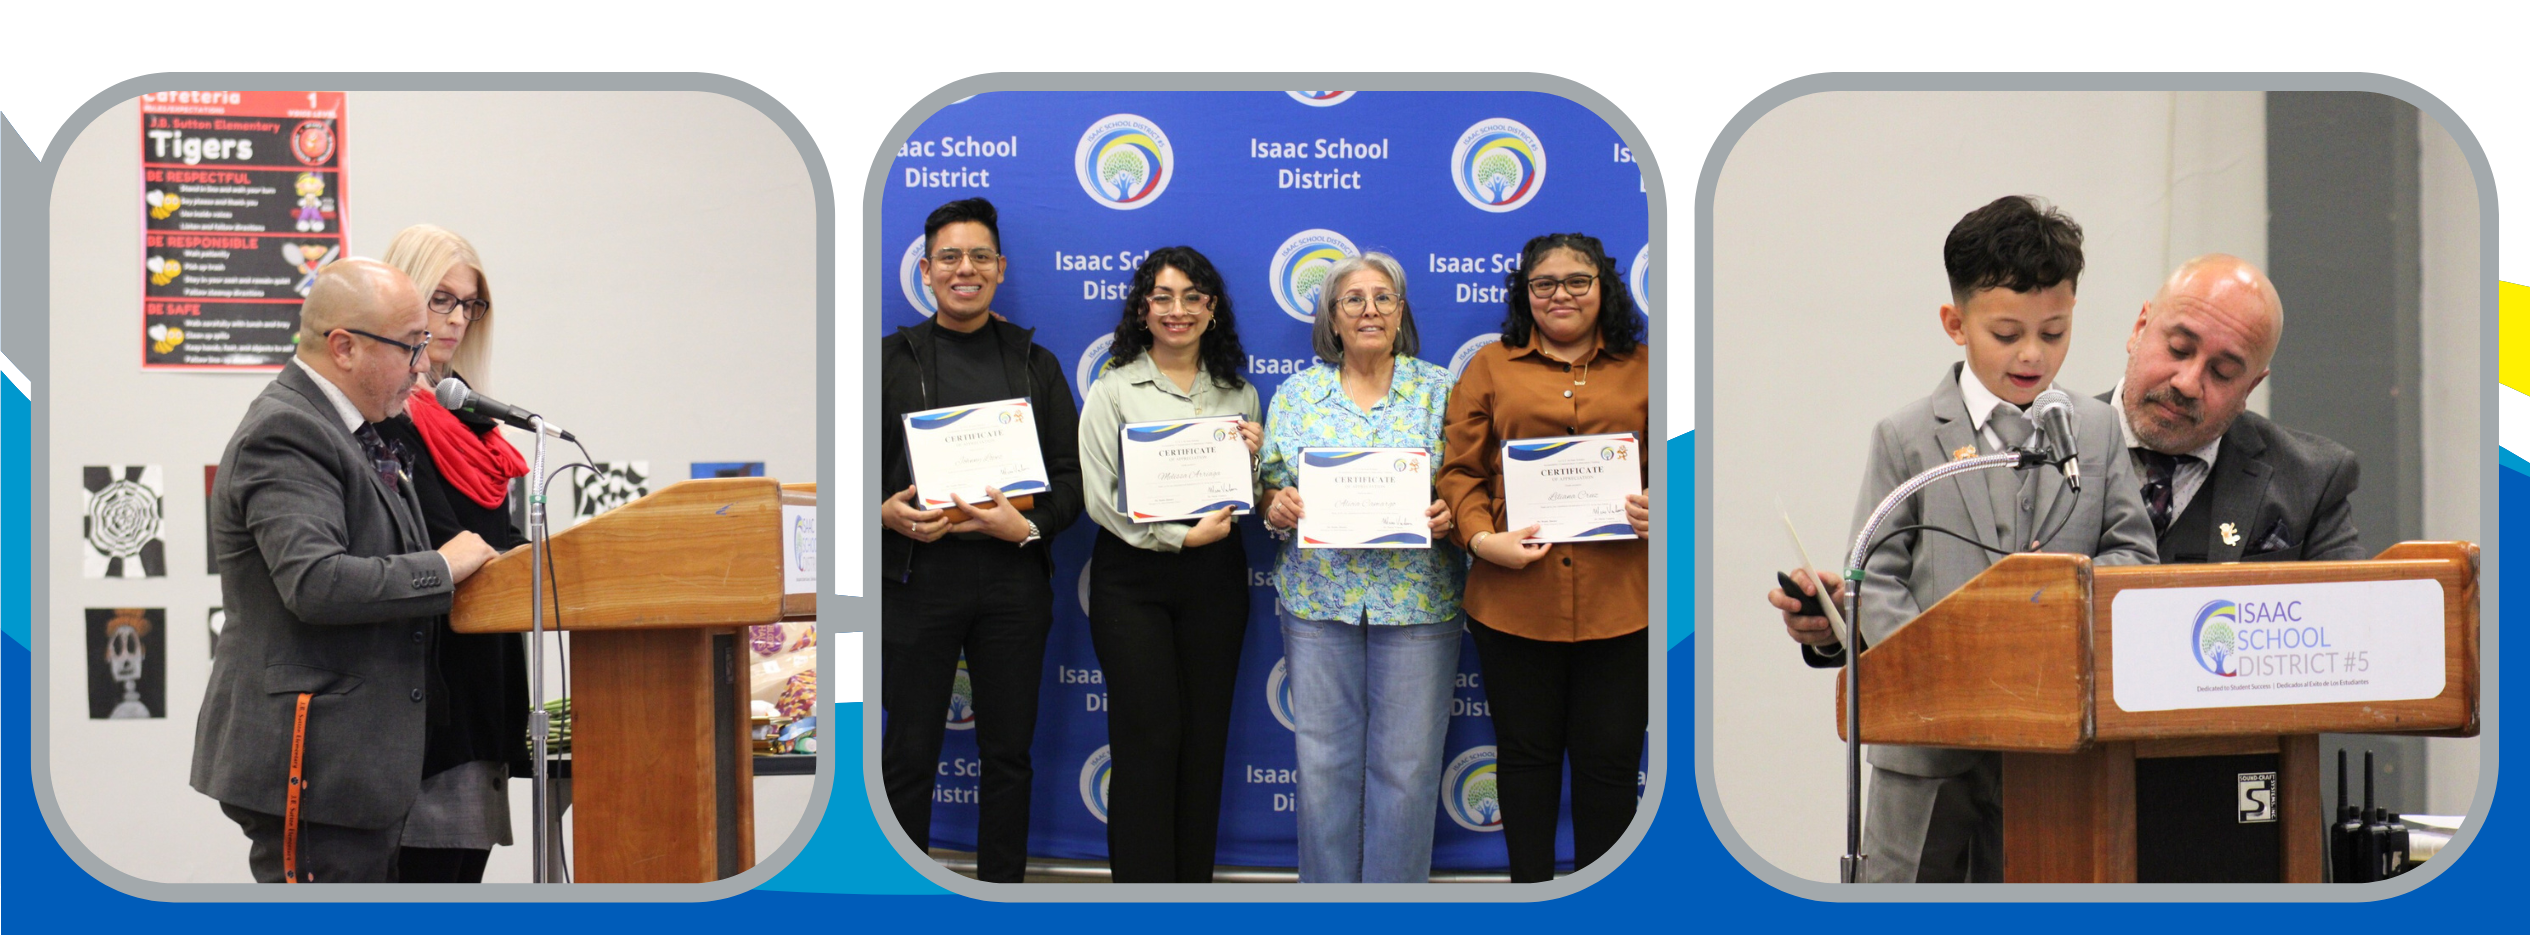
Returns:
point(1322, 336)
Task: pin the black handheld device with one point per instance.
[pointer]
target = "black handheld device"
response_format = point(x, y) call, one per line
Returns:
point(1810, 606)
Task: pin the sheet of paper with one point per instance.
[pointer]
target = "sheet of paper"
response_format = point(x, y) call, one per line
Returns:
point(1365, 498)
point(1184, 470)
point(961, 450)
point(1573, 488)
point(799, 549)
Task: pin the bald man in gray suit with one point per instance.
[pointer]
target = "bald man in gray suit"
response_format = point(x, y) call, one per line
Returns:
point(311, 730)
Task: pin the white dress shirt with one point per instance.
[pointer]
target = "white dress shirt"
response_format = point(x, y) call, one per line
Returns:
point(2190, 475)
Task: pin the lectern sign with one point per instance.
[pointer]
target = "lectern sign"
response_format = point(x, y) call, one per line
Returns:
point(2240, 646)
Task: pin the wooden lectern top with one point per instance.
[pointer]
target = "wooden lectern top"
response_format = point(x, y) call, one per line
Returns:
point(2021, 658)
point(697, 553)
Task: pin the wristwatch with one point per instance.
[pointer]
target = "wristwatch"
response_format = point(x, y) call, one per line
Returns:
point(1033, 535)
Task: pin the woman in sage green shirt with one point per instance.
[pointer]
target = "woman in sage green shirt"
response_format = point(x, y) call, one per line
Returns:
point(1167, 600)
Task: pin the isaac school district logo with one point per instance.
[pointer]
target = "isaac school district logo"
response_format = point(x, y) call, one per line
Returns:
point(1638, 279)
point(1322, 98)
point(962, 699)
point(1498, 164)
point(1300, 270)
point(2214, 639)
point(909, 278)
point(1094, 362)
point(1095, 773)
point(1278, 694)
point(1467, 352)
point(1469, 793)
point(1124, 162)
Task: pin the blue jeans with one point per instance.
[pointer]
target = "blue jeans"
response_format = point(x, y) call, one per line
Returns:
point(1370, 706)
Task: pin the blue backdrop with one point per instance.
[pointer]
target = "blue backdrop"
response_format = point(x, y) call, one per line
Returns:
point(1273, 188)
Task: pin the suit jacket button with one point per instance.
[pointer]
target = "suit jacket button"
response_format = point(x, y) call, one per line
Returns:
point(417, 694)
point(417, 636)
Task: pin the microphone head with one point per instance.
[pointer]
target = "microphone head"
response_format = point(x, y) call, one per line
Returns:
point(453, 394)
point(2052, 413)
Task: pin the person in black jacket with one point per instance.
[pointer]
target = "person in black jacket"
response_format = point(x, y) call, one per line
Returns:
point(981, 586)
point(461, 468)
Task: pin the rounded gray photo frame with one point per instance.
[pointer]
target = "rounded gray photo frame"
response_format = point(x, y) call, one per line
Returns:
point(1704, 588)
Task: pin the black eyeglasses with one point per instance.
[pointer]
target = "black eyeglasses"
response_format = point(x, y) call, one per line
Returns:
point(1578, 284)
point(442, 303)
point(415, 349)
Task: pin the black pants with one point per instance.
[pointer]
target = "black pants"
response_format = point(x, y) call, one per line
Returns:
point(991, 601)
point(440, 864)
point(327, 853)
point(1589, 699)
point(1167, 626)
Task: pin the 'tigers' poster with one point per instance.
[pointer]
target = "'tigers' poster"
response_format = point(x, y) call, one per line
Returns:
point(241, 201)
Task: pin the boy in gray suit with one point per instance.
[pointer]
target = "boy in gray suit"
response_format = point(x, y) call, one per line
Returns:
point(1936, 814)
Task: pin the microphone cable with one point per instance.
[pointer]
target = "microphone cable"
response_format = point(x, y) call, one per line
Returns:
point(1891, 535)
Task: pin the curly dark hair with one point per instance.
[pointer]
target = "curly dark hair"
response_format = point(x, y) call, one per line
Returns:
point(1222, 355)
point(1620, 323)
point(2015, 242)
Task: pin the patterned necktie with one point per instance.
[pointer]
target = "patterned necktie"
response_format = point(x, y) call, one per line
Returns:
point(2160, 485)
point(2013, 428)
point(384, 458)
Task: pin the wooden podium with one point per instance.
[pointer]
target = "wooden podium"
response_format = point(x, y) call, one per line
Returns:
point(657, 593)
point(2021, 660)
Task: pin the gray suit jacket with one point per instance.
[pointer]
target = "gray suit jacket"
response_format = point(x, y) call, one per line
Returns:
point(2283, 491)
point(332, 589)
point(1914, 570)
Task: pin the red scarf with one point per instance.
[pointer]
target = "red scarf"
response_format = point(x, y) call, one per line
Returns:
point(479, 466)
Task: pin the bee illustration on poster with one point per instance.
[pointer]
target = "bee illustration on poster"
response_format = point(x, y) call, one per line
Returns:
point(122, 521)
point(242, 197)
point(127, 663)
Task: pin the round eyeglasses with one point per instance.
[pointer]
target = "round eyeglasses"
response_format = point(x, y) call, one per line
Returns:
point(1579, 284)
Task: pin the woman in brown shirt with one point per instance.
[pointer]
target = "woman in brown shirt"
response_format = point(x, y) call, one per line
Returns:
point(1561, 629)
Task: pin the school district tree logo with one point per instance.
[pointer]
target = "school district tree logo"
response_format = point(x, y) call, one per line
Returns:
point(2214, 640)
point(962, 699)
point(1322, 98)
point(1639, 279)
point(909, 278)
point(1300, 269)
point(1498, 164)
point(1124, 162)
point(1467, 352)
point(1468, 791)
point(1095, 362)
point(1095, 772)
point(1278, 694)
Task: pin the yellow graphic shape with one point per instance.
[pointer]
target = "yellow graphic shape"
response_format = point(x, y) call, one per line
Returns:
point(2512, 336)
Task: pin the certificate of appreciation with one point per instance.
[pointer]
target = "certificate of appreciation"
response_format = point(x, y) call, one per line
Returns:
point(963, 449)
point(1365, 498)
point(1573, 488)
point(1183, 470)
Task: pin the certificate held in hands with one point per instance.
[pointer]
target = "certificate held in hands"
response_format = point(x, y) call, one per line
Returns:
point(960, 450)
point(1365, 498)
point(1573, 488)
point(1184, 470)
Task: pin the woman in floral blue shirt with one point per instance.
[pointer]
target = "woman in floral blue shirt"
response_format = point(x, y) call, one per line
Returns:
point(1370, 636)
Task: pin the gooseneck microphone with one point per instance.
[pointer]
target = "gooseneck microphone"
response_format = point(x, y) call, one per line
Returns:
point(2052, 413)
point(454, 395)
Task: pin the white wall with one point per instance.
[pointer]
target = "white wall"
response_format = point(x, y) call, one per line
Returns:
point(2451, 381)
point(653, 256)
point(1828, 225)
